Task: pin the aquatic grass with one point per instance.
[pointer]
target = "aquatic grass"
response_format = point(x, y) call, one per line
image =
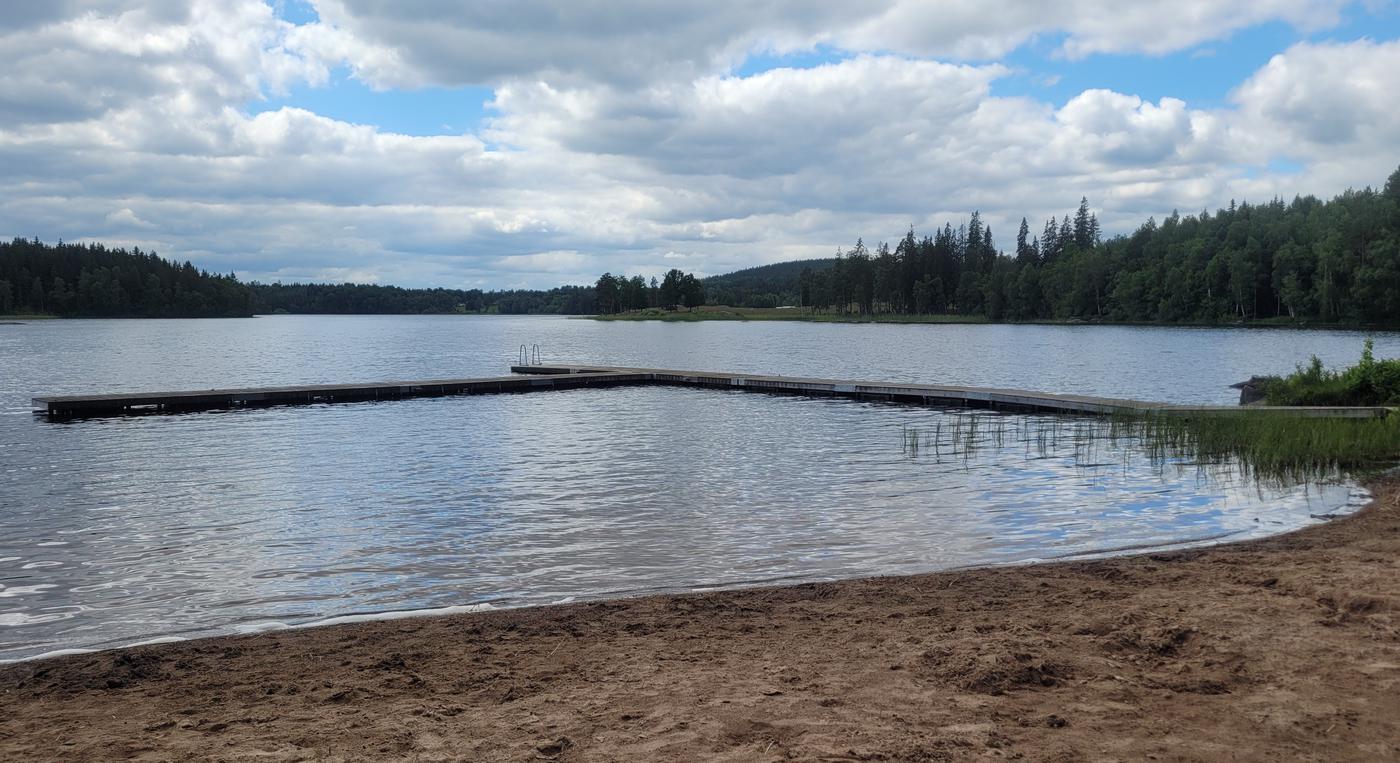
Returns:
point(1270, 447)
point(911, 441)
point(960, 441)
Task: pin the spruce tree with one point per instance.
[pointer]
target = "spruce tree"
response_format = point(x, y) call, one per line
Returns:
point(1081, 225)
point(1024, 253)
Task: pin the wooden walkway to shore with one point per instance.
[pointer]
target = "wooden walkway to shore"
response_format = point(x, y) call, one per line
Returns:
point(940, 394)
point(538, 378)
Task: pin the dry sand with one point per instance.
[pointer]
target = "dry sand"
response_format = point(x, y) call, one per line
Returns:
point(1287, 648)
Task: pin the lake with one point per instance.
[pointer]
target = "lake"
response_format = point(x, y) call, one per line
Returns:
point(118, 530)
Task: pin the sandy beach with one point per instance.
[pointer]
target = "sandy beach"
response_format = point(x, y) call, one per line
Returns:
point(1285, 648)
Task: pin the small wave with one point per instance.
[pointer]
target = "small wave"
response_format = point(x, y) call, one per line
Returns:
point(365, 617)
point(47, 655)
point(270, 626)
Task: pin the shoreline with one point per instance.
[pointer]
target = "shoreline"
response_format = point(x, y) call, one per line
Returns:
point(1286, 646)
point(261, 627)
point(764, 314)
point(742, 315)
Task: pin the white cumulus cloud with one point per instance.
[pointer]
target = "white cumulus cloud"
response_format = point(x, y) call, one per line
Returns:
point(623, 138)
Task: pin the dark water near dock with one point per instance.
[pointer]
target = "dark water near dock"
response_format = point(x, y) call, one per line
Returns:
point(117, 530)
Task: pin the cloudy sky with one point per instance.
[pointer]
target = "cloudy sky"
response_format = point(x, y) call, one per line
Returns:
point(514, 143)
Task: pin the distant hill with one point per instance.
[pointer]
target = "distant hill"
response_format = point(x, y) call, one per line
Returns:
point(762, 286)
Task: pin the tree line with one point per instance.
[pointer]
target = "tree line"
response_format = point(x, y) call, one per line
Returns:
point(91, 280)
point(95, 281)
point(619, 294)
point(1307, 260)
point(1336, 261)
point(367, 299)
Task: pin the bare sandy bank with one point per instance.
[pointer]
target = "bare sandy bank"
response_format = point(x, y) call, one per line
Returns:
point(1285, 648)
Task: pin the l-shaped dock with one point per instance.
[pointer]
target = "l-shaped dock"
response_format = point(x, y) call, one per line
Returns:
point(540, 378)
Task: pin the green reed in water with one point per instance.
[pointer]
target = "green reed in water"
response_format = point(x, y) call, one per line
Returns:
point(1270, 447)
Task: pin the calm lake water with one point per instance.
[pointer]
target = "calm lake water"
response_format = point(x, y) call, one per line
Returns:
point(118, 530)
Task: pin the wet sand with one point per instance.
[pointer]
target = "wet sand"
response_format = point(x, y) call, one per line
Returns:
point(1285, 648)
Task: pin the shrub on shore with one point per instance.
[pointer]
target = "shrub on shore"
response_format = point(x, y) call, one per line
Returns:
point(1369, 382)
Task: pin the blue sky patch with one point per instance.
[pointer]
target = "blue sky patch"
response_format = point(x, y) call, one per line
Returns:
point(296, 11)
point(424, 111)
point(1202, 76)
point(758, 63)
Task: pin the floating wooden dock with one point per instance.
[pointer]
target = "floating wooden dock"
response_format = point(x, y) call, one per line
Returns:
point(144, 402)
point(939, 394)
point(537, 378)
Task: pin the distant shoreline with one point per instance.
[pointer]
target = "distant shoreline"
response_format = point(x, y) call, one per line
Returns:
point(719, 313)
point(743, 314)
point(17, 319)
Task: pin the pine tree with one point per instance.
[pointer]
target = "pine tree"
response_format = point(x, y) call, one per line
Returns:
point(1050, 247)
point(1024, 254)
point(1082, 234)
point(973, 258)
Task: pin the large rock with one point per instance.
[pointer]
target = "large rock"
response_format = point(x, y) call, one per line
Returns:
point(1252, 390)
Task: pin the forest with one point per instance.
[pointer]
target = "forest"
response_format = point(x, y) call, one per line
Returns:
point(1335, 262)
point(366, 299)
point(94, 281)
point(619, 294)
point(91, 280)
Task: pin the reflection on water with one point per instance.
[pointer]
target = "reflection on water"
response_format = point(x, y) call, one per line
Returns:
point(130, 528)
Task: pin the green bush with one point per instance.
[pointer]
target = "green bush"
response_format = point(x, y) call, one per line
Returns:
point(1369, 382)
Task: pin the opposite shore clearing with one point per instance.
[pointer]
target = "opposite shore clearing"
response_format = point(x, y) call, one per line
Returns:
point(1283, 648)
